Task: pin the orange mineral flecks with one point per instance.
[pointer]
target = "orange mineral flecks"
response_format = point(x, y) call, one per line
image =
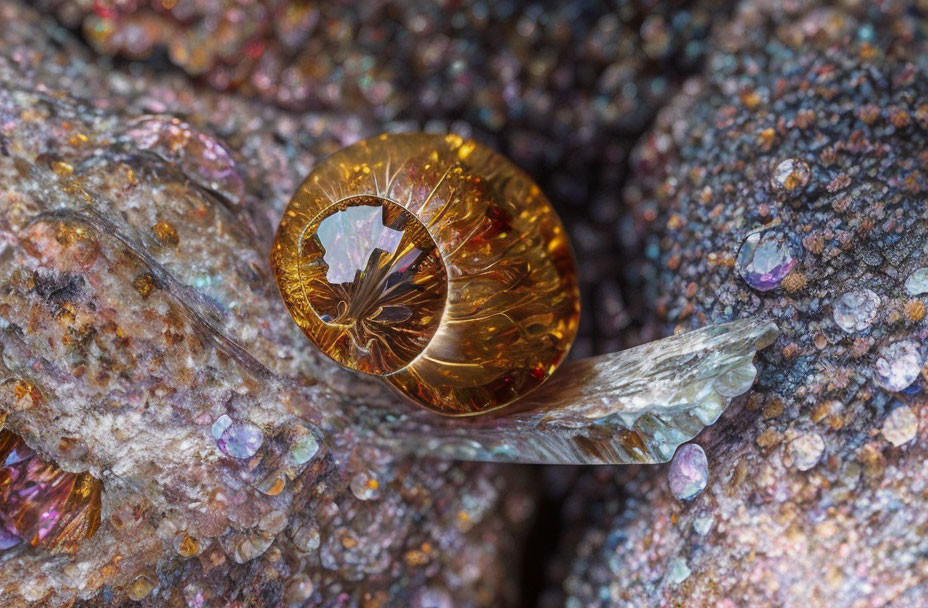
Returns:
point(434, 262)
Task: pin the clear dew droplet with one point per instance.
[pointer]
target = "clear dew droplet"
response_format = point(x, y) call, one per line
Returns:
point(898, 365)
point(764, 260)
point(303, 449)
point(900, 426)
point(806, 450)
point(856, 310)
point(790, 176)
point(365, 486)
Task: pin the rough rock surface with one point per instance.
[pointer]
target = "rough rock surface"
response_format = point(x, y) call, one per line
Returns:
point(814, 498)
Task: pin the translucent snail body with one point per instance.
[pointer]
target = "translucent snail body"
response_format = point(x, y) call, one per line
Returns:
point(433, 262)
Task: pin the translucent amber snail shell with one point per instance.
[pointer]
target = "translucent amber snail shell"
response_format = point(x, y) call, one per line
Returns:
point(432, 262)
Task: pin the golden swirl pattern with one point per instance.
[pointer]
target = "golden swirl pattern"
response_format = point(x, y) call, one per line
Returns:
point(434, 262)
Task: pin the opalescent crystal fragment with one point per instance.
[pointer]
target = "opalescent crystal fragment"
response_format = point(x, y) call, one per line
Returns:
point(240, 440)
point(856, 310)
point(634, 406)
point(898, 365)
point(689, 472)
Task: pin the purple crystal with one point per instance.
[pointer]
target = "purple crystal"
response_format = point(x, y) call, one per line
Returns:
point(689, 472)
point(765, 259)
point(8, 540)
point(240, 440)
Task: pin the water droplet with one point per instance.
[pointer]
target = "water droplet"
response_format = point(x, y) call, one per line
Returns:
point(765, 259)
point(8, 540)
point(273, 522)
point(299, 590)
point(272, 484)
point(898, 365)
point(303, 449)
point(365, 486)
point(187, 546)
point(856, 310)
point(140, 587)
point(790, 176)
point(689, 472)
point(306, 537)
point(806, 450)
point(240, 440)
point(900, 426)
point(917, 283)
point(243, 547)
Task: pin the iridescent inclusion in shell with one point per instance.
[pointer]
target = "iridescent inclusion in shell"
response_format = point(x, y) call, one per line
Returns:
point(434, 262)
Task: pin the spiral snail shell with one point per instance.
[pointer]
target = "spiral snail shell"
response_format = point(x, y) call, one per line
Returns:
point(433, 262)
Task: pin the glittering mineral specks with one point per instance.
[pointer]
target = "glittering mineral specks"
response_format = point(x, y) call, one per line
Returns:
point(790, 176)
point(203, 158)
point(765, 259)
point(240, 440)
point(806, 450)
point(917, 283)
point(856, 310)
point(900, 426)
point(689, 472)
point(898, 365)
point(365, 486)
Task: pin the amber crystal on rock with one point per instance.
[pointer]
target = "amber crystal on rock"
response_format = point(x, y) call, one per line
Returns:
point(434, 262)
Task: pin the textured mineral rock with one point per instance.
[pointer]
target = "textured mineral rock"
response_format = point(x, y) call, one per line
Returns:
point(843, 88)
